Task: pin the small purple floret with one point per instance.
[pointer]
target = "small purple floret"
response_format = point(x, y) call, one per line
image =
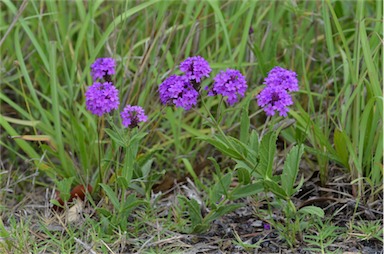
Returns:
point(266, 226)
point(195, 68)
point(273, 98)
point(179, 91)
point(103, 67)
point(285, 79)
point(101, 98)
point(131, 116)
point(230, 83)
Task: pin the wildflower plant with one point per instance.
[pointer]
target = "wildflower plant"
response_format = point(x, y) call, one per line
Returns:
point(254, 155)
point(102, 99)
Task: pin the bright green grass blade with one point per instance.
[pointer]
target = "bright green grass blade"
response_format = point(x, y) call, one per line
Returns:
point(374, 83)
point(56, 103)
point(27, 78)
point(342, 36)
point(30, 34)
point(219, 16)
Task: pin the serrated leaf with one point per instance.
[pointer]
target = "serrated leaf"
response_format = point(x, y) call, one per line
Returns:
point(240, 147)
point(267, 154)
point(254, 141)
point(291, 169)
point(244, 176)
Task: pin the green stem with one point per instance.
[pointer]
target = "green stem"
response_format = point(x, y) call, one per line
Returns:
point(99, 150)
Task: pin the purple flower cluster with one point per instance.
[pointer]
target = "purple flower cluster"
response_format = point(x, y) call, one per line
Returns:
point(195, 68)
point(179, 91)
point(103, 68)
point(275, 96)
point(102, 98)
point(285, 79)
point(274, 99)
point(131, 116)
point(230, 83)
point(182, 91)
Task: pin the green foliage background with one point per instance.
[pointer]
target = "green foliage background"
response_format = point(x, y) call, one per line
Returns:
point(334, 46)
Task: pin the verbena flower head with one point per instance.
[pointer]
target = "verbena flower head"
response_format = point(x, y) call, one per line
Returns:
point(131, 116)
point(230, 83)
point(273, 98)
point(101, 98)
point(103, 68)
point(179, 91)
point(285, 79)
point(195, 68)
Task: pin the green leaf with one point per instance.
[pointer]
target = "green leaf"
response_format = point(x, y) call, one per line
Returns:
point(342, 153)
point(194, 210)
point(222, 147)
point(111, 195)
point(298, 187)
point(275, 188)
point(130, 203)
point(267, 154)
point(291, 169)
point(104, 212)
point(122, 182)
point(137, 137)
point(244, 176)
point(312, 210)
point(239, 146)
point(55, 202)
point(128, 163)
point(254, 141)
point(221, 187)
point(240, 164)
point(247, 190)
point(200, 228)
point(115, 137)
point(64, 187)
point(191, 171)
point(244, 123)
point(222, 210)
